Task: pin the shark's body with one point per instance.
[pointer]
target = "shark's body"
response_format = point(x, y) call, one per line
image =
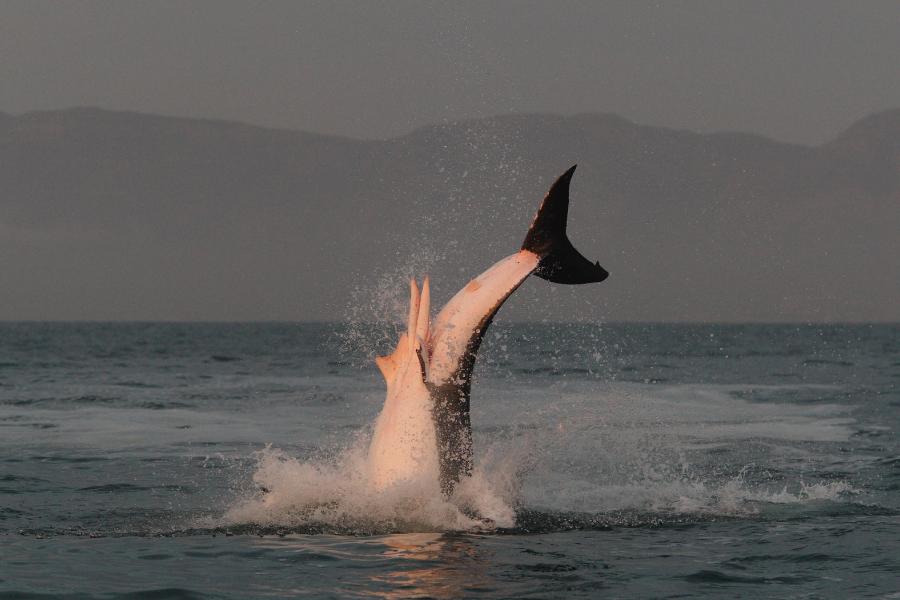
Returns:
point(423, 435)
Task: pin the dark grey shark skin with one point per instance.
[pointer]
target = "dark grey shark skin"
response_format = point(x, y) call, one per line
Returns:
point(559, 262)
point(450, 412)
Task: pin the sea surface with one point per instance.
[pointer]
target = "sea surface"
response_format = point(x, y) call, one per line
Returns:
point(150, 460)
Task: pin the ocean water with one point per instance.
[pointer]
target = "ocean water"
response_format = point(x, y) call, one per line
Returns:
point(636, 460)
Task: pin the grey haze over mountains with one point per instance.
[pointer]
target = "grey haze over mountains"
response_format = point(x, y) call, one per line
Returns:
point(116, 215)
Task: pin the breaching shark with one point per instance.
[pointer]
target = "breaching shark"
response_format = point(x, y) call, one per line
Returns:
point(424, 433)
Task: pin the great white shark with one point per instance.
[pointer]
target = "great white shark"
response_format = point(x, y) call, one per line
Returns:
point(423, 435)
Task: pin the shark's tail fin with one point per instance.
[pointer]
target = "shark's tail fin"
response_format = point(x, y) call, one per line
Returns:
point(560, 261)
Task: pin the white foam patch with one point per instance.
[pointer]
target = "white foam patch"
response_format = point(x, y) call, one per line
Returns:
point(337, 494)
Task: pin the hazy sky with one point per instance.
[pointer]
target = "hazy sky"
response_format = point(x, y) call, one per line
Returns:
point(797, 71)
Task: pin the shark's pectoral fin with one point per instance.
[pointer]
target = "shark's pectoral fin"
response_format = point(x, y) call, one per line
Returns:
point(387, 365)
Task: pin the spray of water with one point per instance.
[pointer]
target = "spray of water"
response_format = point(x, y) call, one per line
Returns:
point(337, 495)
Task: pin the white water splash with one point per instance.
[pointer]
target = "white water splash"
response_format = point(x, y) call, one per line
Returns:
point(375, 311)
point(586, 448)
point(337, 494)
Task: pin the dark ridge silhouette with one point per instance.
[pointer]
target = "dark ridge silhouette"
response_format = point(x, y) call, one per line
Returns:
point(120, 215)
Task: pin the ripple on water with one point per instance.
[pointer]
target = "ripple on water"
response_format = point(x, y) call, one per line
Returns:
point(713, 576)
point(224, 358)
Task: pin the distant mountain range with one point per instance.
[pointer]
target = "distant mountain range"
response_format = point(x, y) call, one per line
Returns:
point(119, 215)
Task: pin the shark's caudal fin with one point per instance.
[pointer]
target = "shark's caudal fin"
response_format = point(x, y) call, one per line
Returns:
point(560, 261)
